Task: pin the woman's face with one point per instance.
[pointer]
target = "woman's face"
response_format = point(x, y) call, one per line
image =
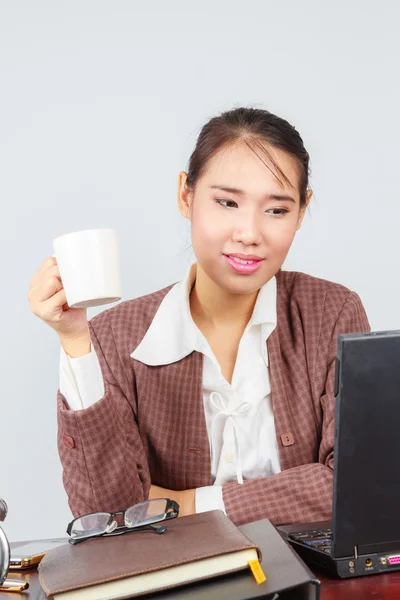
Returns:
point(243, 219)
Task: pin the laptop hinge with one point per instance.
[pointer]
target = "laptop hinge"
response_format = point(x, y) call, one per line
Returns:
point(391, 547)
point(355, 552)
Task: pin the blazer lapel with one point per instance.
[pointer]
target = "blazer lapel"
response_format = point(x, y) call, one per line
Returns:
point(172, 422)
point(196, 447)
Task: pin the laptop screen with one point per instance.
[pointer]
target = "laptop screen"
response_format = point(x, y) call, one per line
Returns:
point(366, 496)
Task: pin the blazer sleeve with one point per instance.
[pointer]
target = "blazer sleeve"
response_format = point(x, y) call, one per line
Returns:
point(303, 493)
point(104, 464)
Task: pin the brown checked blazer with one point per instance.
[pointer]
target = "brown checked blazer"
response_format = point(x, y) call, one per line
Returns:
point(150, 425)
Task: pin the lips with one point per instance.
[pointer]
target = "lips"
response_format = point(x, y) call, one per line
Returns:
point(245, 257)
point(244, 263)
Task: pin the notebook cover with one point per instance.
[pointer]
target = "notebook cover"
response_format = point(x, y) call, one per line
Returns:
point(288, 577)
point(99, 560)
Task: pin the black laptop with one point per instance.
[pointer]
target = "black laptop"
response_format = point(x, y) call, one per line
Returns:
point(363, 537)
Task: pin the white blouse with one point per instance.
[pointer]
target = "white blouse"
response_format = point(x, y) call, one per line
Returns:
point(239, 416)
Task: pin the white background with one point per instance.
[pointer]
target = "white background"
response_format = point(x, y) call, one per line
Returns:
point(100, 106)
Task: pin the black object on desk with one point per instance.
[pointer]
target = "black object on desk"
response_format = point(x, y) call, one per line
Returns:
point(288, 578)
point(364, 535)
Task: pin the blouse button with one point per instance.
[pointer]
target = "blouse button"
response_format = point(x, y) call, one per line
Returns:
point(229, 458)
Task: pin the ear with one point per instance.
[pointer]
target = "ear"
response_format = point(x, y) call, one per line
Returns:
point(303, 209)
point(184, 196)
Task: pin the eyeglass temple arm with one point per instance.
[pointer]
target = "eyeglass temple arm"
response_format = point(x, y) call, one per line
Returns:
point(157, 529)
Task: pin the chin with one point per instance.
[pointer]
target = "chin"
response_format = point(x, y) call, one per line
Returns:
point(240, 284)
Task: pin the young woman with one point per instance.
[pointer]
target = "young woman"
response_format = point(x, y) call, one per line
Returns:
point(216, 392)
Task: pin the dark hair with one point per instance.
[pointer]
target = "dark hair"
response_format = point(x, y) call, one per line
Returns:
point(258, 129)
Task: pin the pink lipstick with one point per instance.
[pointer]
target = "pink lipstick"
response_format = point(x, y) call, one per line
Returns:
point(244, 263)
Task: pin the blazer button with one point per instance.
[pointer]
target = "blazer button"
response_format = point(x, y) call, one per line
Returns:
point(287, 439)
point(69, 441)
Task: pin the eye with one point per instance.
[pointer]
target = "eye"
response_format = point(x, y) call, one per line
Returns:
point(277, 212)
point(227, 203)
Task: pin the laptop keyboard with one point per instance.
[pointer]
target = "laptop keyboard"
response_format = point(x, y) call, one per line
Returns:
point(320, 539)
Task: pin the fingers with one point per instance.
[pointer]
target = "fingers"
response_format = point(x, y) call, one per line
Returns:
point(50, 309)
point(45, 266)
point(46, 285)
point(47, 289)
point(52, 270)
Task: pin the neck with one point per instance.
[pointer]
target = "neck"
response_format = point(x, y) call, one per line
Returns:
point(212, 305)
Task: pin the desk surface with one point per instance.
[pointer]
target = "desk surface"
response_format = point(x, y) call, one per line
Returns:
point(376, 587)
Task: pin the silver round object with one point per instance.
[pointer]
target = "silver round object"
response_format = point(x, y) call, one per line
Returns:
point(4, 556)
point(3, 509)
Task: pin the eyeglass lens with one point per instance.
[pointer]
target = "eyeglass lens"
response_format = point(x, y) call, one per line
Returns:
point(138, 515)
point(145, 513)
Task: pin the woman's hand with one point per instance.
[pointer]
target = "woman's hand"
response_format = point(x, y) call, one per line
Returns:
point(48, 302)
point(186, 498)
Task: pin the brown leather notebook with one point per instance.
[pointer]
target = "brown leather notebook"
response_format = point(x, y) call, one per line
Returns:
point(129, 565)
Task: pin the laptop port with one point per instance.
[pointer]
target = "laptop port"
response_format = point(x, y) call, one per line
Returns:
point(368, 562)
point(394, 559)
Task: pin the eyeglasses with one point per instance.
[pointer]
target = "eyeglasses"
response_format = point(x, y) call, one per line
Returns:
point(137, 517)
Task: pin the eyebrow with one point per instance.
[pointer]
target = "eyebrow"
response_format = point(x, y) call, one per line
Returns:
point(231, 190)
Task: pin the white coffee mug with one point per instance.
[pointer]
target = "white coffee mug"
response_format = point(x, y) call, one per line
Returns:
point(89, 267)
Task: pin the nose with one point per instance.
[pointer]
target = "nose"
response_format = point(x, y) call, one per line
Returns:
point(248, 228)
